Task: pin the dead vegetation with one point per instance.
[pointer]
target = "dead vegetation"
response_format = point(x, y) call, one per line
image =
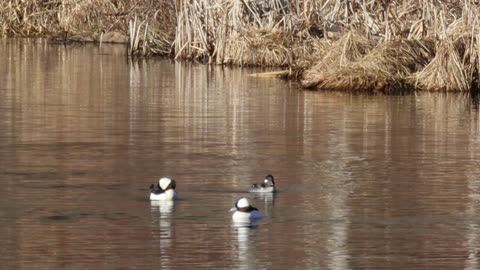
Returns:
point(386, 68)
point(360, 45)
point(92, 20)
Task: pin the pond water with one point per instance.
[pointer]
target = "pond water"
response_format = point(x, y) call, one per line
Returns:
point(365, 181)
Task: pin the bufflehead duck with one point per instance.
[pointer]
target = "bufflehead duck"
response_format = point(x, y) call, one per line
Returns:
point(268, 185)
point(245, 212)
point(165, 190)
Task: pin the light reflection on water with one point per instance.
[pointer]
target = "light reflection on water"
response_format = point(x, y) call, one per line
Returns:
point(162, 212)
point(365, 182)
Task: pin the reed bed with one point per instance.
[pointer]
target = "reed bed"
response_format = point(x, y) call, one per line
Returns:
point(361, 45)
point(445, 72)
point(435, 47)
point(456, 65)
point(385, 69)
point(342, 53)
point(92, 20)
point(244, 33)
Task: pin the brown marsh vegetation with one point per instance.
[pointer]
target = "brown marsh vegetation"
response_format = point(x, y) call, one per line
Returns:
point(93, 20)
point(360, 45)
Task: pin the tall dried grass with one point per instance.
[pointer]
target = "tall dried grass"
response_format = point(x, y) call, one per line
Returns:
point(246, 32)
point(406, 57)
point(315, 39)
point(456, 65)
point(345, 51)
point(385, 68)
point(445, 72)
point(328, 43)
point(88, 19)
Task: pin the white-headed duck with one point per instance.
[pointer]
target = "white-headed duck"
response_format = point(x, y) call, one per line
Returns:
point(165, 190)
point(245, 212)
point(267, 186)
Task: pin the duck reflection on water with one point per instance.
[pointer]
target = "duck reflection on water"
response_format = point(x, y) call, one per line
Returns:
point(243, 233)
point(163, 208)
point(268, 201)
point(161, 212)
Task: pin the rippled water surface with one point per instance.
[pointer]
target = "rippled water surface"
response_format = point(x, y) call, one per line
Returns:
point(365, 182)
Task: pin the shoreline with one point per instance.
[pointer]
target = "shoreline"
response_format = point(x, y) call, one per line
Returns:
point(361, 47)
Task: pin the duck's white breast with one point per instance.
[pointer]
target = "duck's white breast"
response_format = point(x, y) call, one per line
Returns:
point(167, 195)
point(262, 190)
point(246, 216)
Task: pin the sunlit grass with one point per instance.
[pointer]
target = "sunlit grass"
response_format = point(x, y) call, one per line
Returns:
point(363, 45)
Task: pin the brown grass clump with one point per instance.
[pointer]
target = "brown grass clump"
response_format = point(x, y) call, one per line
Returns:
point(274, 47)
point(456, 65)
point(245, 33)
point(400, 62)
point(445, 72)
point(386, 68)
point(72, 20)
point(348, 49)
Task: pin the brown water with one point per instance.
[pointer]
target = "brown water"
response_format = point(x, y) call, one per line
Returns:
point(365, 182)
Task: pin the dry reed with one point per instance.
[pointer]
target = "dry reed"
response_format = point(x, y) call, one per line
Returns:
point(245, 33)
point(405, 58)
point(72, 20)
point(456, 65)
point(328, 43)
point(385, 69)
point(348, 49)
point(445, 72)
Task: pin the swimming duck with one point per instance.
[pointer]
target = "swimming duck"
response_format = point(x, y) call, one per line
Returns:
point(244, 212)
point(268, 185)
point(165, 190)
